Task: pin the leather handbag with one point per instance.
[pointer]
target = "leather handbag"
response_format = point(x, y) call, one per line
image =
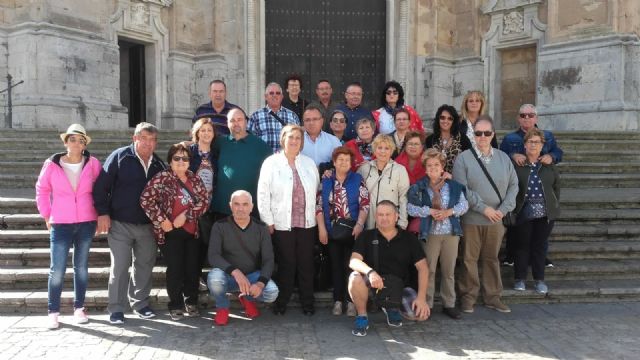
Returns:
point(414, 225)
point(342, 230)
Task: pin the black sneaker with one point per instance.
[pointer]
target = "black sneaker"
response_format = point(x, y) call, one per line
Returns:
point(393, 317)
point(145, 313)
point(360, 326)
point(116, 318)
point(548, 263)
point(453, 313)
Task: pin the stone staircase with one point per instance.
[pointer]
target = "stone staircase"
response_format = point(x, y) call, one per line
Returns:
point(595, 244)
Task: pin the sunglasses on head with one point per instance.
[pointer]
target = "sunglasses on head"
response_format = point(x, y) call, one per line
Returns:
point(486, 133)
point(179, 158)
point(528, 115)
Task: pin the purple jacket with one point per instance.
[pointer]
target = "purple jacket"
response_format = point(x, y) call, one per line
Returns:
point(56, 200)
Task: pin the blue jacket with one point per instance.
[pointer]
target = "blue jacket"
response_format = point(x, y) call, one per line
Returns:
point(117, 190)
point(352, 184)
point(513, 143)
point(419, 196)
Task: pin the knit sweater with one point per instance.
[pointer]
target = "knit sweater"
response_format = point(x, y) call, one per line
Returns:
point(480, 193)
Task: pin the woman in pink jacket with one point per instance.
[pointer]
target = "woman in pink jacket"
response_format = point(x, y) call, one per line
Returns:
point(64, 198)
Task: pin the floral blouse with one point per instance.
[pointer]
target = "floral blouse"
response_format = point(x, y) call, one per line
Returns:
point(339, 207)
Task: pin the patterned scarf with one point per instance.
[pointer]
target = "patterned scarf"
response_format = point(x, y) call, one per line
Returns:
point(436, 202)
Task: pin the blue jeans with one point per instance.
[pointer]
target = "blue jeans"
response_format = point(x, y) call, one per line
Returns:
point(62, 237)
point(220, 283)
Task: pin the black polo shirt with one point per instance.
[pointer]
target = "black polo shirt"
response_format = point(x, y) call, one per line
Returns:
point(397, 256)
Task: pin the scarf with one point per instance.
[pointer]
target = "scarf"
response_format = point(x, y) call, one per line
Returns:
point(436, 202)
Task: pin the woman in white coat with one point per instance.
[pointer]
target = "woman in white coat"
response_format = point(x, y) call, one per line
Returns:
point(287, 191)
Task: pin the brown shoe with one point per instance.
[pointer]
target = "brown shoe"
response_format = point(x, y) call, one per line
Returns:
point(453, 313)
point(466, 308)
point(498, 306)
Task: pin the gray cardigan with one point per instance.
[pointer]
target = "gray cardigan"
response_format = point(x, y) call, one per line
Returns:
point(480, 193)
point(227, 254)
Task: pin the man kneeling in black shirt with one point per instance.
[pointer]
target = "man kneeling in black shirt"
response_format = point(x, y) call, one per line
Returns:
point(380, 262)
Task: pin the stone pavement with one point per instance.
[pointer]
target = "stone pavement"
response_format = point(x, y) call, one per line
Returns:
point(563, 331)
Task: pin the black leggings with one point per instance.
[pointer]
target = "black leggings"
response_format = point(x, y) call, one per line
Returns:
point(294, 256)
point(530, 240)
point(339, 255)
point(181, 252)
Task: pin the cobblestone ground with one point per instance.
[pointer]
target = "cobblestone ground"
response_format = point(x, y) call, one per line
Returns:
point(563, 331)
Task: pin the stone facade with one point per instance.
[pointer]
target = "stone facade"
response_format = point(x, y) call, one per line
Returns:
point(578, 60)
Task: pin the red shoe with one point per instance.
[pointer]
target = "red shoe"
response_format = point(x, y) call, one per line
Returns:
point(222, 317)
point(250, 308)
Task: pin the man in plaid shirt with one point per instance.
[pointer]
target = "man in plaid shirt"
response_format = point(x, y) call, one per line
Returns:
point(267, 122)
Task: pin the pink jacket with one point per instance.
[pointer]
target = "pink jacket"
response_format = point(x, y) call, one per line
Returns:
point(56, 200)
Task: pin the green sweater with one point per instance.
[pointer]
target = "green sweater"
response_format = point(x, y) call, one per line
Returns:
point(480, 193)
point(239, 163)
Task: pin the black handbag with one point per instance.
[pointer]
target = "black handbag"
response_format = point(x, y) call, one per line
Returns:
point(510, 218)
point(342, 230)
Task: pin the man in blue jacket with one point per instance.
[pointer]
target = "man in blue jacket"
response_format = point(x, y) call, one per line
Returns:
point(513, 145)
point(116, 196)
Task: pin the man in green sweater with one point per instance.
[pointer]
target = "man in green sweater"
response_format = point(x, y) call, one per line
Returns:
point(482, 224)
point(241, 255)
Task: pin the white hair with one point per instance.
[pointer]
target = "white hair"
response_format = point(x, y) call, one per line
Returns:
point(240, 193)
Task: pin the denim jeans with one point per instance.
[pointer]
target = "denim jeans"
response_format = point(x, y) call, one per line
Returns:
point(62, 237)
point(220, 283)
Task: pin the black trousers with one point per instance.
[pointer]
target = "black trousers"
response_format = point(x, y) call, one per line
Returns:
point(339, 256)
point(294, 256)
point(531, 239)
point(181, 252)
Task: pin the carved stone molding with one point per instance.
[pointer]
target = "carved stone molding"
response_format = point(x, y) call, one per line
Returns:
point(513, 23)
point(163, 3)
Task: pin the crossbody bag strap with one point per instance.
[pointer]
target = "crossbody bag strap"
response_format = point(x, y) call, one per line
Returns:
point(277, 118)
point(484, 169)
point(184, 186)
point(243, 245)
point(376, 251)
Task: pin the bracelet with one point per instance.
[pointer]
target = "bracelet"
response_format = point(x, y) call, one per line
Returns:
point(362, 226)
point(369, 273)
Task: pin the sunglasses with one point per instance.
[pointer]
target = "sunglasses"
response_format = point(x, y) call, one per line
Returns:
point(535, 142)
point(486, 133)
point(339, 120)
point(392, 92)
point(449, 118)
point(272, 93)
point(75, 140)
point(178, 158)
point(529, 115)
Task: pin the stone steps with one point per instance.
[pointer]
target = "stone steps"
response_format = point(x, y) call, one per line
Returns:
point(575, 181)
point(562, 232)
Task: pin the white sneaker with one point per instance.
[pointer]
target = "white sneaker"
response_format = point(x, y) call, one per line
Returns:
point(53, 321)
point(351, 309)
point(337, 308)
point(80, 315)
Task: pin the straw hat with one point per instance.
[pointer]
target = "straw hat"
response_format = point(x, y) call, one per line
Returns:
point(76, 129)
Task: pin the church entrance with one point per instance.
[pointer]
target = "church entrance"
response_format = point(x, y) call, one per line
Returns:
point(341, 41)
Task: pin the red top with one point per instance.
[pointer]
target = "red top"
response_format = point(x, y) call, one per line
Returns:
point(418, 171)
point(182, 202)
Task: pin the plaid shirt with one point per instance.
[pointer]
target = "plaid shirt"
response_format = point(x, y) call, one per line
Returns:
point(268, 128)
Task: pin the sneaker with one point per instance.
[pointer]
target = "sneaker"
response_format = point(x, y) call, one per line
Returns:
point(507, 262)
point(337, 308)
point(498, 306)
point(222, 317)
point(176, 314)
point(145, 313)
point(452, 312)
point(393, 317)
point(466, 308)
point(250, 308)
point(548, 263)
point(191, 311)
point(116, 318)
point(80, 315)
point(52, 322)
point(351, 309)
point(541, 287)
point(361, 325)
point(519, 285)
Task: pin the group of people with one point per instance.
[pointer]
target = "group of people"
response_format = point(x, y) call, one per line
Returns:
point(251, 196)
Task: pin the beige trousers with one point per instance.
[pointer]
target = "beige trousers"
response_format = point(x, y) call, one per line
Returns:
point(445, 249)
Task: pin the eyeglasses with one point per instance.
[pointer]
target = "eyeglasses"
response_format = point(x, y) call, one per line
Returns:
point(535, 142)
point(391, 92)
point(178, 158)
point(272, 93)
point(80, 140)
point(448, 118)
point(414, 144)
point(528, 115)
point(486, 133)
point(398, 118)
point(339, 120)
point(353, 93)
